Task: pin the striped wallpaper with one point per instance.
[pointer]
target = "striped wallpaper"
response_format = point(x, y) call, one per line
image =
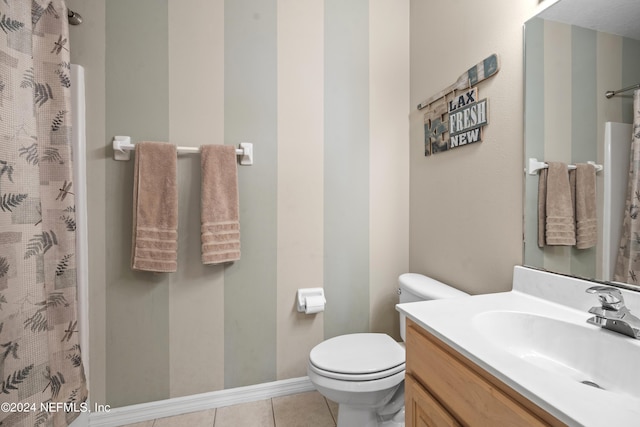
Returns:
point(565, 120)
point(321, 87)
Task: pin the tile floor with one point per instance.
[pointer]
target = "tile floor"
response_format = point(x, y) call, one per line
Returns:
point(309, 409)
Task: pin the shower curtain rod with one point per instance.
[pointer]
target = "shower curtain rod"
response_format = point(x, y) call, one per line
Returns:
point(611, 93)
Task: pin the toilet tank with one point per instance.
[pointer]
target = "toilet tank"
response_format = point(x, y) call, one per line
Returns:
point(414, 287)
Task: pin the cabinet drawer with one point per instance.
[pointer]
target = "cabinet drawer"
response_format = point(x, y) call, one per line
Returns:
point(472, 395)
point(422, 409)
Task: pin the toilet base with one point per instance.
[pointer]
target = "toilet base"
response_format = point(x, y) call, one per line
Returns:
point(375, 403)
point(348, 416)
point(396, 421)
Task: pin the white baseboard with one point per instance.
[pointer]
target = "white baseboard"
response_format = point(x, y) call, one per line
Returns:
point(198, 402)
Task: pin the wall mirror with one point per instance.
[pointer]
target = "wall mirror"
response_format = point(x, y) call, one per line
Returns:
point(575, 51)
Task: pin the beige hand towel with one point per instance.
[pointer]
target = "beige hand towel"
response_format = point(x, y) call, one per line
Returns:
point(560, 220)
point(155, 208)
point(542, 207)
point(220, 220)
point(586, 222)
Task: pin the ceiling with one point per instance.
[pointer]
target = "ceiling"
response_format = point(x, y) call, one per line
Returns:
point(620, 17)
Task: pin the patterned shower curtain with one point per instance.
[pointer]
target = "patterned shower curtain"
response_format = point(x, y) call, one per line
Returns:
point(42, 381)
point(628, 260)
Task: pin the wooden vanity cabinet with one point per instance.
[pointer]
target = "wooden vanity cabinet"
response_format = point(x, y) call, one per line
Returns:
point(444, 388)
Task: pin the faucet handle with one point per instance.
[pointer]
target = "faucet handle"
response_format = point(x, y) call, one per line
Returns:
point(610, 297)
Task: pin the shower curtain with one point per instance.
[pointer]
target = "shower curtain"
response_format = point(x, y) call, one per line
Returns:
point(42, 381)
point(628, 260)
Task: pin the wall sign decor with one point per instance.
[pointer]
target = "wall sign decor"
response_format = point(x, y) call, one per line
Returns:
point(455, 116)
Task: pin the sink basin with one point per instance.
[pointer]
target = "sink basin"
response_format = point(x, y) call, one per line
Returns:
point(580, 352)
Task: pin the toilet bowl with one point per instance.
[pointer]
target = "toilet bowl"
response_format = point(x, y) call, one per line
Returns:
point(364, 372)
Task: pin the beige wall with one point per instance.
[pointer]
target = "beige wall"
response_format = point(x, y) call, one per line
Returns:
point(300, 129)
point(466, 204)
point(389, 189)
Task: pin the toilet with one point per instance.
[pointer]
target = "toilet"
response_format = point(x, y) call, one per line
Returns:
point(364, 372)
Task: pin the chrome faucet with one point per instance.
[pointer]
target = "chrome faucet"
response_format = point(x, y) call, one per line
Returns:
point(613, 314)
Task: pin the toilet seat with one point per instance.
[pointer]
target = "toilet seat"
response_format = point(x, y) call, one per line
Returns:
point(358, 357)
point(325, 384)
point(357, 377)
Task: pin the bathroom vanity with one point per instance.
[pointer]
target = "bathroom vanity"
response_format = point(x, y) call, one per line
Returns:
point(527, 357)
point(444, 388)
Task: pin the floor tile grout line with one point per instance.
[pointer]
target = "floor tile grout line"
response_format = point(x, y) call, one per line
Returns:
point(326, 402)
point(273, 413)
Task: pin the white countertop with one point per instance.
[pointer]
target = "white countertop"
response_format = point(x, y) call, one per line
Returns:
point(454, 321)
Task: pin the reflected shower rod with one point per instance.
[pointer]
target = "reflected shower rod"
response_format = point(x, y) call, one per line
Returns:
point(612, 93)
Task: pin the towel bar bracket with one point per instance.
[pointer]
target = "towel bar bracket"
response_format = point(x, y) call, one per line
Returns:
point(246, 158)
point(122, 148)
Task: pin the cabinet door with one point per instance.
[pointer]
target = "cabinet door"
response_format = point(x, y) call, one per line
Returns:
point(422, 409)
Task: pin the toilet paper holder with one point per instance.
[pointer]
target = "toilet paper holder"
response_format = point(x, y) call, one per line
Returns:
point(305, 293)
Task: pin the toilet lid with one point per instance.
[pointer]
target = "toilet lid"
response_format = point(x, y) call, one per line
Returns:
point(358, 354)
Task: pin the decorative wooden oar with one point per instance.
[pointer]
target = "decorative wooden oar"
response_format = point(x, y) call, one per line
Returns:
point(479, 72)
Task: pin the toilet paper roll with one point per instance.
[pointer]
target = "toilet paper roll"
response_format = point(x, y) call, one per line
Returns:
point(314, 304)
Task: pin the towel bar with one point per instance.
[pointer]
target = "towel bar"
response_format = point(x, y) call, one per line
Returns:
point(122, 148)
point(535, 166)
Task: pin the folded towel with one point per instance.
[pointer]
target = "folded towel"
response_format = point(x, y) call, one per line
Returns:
point(586, 222)
point(542, 206)
point(220, 220)
point(155, 208)
point(560, 221)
